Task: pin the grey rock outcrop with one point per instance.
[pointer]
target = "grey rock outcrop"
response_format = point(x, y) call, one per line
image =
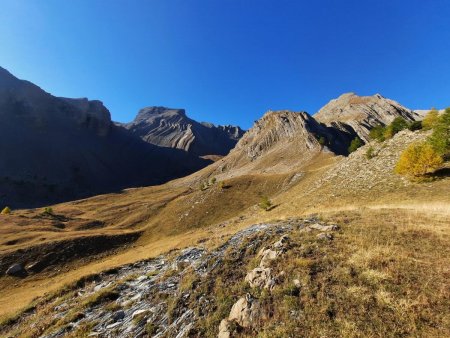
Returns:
point(261, 278)
point(171, 128)
point(281, 141)
point(16, 270)
point(246, 311)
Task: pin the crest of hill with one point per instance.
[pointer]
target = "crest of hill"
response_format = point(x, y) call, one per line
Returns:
point(172, 128)
point(281, 141)
point(362, 113)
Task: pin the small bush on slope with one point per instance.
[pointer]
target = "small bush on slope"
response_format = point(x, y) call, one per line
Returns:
point(440, 139)
point(396, 126)
point(415, 125)
point(265, 203)
point(377, 133)
point(430, 120)
point(6, 211)
point(418, 160)
point(355, 144)
point(370, 153)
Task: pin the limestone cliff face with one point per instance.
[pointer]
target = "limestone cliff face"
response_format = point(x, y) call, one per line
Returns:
point(362, 113)
point(276, 127)
point(171, 128)
point(283, 140)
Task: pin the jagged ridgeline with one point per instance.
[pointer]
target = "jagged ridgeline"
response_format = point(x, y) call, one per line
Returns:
point(171, 128)
point(61, 149)
point(359, 114)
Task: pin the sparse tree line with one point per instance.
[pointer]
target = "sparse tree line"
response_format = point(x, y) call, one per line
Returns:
point(420, 158)
point(383, 133)
point(423, 158)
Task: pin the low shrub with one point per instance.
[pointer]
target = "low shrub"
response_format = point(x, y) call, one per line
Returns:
point(370, 153)
point(377, 133)
point(415, 125)
point(397, 125)
point(265, 203)
point(6, 211)
point(355, 144)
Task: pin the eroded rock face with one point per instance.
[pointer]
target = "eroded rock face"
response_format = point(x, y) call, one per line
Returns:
point(246, 311)
point(171, 128)
point(281, 141)
point(260, 277)
point(362, 113)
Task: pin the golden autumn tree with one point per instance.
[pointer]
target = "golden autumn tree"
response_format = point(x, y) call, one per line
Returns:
point(418, 160)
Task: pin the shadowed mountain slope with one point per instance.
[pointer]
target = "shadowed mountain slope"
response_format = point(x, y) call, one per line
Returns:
point(54, 149)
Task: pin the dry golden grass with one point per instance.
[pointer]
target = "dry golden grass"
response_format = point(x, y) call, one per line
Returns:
point(384, 275)
point(179, 214)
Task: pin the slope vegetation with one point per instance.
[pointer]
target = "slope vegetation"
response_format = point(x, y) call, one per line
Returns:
point(359, 240)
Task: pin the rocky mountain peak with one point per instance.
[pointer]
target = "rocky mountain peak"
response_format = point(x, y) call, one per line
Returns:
point(361, 113)
point(155, 112)
point(272, 127)
point(172, 128)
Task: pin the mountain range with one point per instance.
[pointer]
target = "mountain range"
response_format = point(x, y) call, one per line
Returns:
point(63, 148)
point(186, 229)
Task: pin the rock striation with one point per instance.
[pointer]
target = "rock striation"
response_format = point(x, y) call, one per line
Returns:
point(283, 140)
point(362, 113)
point(172, 128)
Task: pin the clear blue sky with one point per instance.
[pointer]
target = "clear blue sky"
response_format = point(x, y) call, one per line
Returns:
point(228, 61)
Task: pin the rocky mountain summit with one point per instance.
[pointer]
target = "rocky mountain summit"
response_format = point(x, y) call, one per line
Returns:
point(172, 128)
point(362, 113)
point(281, 140)
point(61, 149)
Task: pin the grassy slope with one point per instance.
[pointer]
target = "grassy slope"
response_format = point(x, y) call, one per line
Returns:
point(179, 214)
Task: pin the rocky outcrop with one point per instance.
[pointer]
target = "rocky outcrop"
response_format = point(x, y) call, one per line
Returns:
point(281, 141)
point(260, 277)
point(246, 311)
point(150, 298)
point(55, 149)
point(171, 128)
point(16, 270)
point(362, 113)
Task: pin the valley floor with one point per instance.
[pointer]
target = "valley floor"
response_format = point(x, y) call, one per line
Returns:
point(384, 273)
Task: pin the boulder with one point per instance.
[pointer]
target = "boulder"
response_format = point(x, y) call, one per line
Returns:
point(224, 329)
point(16, 270)
point(281, 243)
point(246, 311)
point(260, 277)
point(323, 227)
point(324, 236)
point(119, 315)
point(267, 256)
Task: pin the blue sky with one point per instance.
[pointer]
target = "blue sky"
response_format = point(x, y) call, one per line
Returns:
point(228, 61)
